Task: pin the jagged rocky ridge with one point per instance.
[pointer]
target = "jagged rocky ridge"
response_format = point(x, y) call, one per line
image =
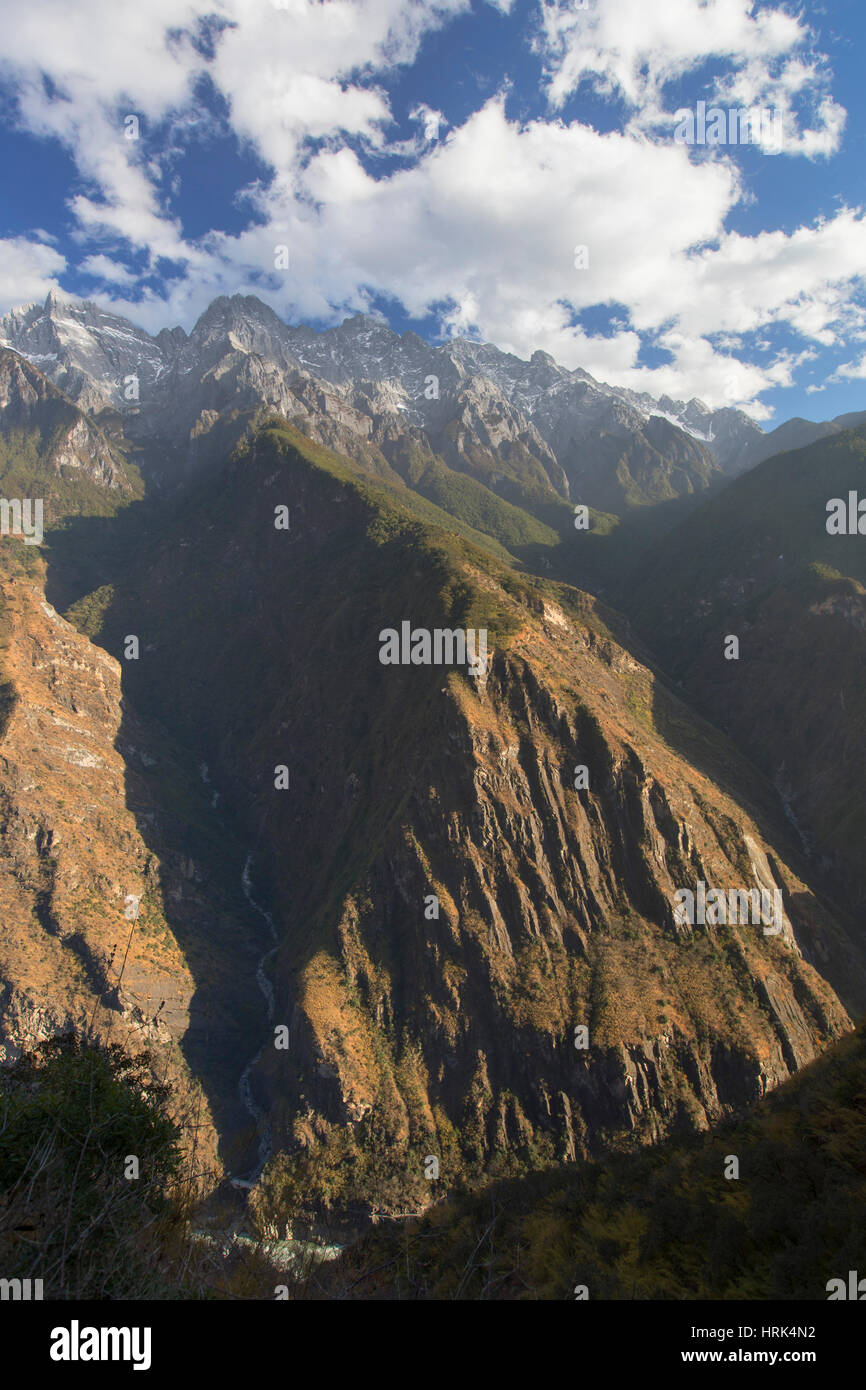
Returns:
point(544, 426)
point(39, 419)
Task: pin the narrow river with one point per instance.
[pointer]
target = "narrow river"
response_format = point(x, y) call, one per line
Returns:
point(257, 1114)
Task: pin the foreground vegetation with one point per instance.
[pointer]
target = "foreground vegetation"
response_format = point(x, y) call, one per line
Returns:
point(98, 1184)
point(665, 1223)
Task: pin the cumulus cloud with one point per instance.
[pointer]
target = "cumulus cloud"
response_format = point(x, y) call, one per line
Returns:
point(104, 268)
point(480, 223)
point(28, 270)
point(285, 70)
point(495, 253)
point(639, 48)
point(636, 50)
point(850, 371)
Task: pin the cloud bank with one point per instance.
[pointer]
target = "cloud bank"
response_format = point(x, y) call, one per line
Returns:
point(475, 223)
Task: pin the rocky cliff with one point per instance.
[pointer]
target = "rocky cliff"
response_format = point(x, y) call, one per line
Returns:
point(121, 916)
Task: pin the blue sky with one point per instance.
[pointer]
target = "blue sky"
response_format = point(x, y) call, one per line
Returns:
point(439, 163)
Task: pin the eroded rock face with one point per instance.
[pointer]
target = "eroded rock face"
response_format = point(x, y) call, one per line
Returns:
point(107, 910)
point(554, 910)
point(70, 444)
point(414, 787)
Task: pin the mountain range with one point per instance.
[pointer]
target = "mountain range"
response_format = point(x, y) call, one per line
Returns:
point(463, 395)
point(368, 914)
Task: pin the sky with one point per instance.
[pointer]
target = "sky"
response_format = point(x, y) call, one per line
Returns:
point(532, 174)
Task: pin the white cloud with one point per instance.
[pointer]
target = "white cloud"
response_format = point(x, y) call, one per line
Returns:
point(28, 270)
point(304, 70)
point(285, 71)
point(482, 226)
point(103, 268)
point(639, 48)
point(794, 93)
point(636, 49)
point(807, 279)
point(850, 371)
point(486, 224)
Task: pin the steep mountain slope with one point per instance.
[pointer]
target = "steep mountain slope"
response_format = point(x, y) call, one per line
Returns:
point(464, 867)
point(450, 908)
point(121, 901)
point(758, 562)
point(665, 1224)
point(122, 912)
point(58, 465)
point(43, 435)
